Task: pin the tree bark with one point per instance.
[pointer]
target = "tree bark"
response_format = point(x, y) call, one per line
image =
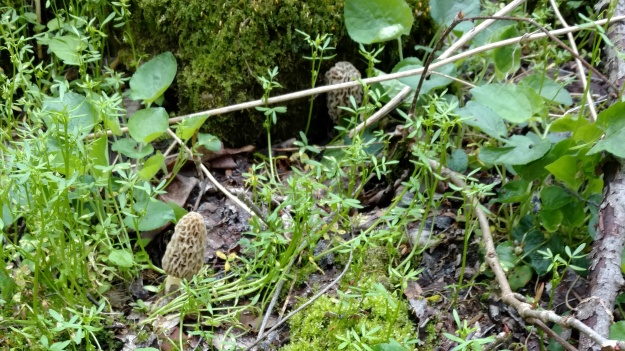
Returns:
point(605, 269)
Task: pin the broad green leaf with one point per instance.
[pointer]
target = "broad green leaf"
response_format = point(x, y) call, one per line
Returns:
point(505, 100)
point(484, 118)
point(148, 124)
point(566, 169)
point(121, 258)
point(568, 123)
point(505, 253)
point(100, 157)
point(209, 141)
point(458, 162)
point(151, 166)
point(612, 122)
point(154, 77)
point(536, 170)
point(617, 330)
point(62, 161)
point(612, 119)
point(444, 12)
point(491, 33)
point(573, 214)
point(548, 89)
point(189, 126)
point(520, 276)
point(178, 211)
point(66, 47)
point(554, 197)
point(390, 87)
point(7, 287)
point(537, 103)
point(520, 150)
point(59, 346)
point(517, 190)
point(432, 82)
point(130, 148)
point(588, 133)
point(112, 123)
point(507, 59)
point(72, 110)
point(157, 214)
point(551, 219)
point(377, 21)
point(526, 232)
point(7, 216)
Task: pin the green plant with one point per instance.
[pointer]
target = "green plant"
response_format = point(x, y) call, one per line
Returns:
point(318, 48)
point(558, 265)
point(361, 318)
point(374, 21)
point(271, 113)
point(463, 334)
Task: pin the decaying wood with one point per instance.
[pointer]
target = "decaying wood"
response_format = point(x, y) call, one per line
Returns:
point(605, 269)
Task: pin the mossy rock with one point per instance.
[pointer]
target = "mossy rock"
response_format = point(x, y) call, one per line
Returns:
point(223, 45)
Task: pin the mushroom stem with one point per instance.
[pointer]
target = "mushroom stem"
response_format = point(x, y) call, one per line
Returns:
point(171, 281)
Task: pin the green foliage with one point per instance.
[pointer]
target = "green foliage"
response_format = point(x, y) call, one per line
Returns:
point(69, 219)
point(148, 124)
point(387, 319)
point(319, 47)
point(512, 103)
point(223, 46)
point(431, 83)
point(377, 21)
point(462, 333)
point(154, 77)
point(558, 265)
point(617, 331)
point(612, 123)
point(445, 11)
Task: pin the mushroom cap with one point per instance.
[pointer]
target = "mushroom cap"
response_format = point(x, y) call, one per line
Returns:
point(184, 255)
point(342, 72)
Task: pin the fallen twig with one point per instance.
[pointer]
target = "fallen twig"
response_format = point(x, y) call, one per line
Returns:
point(552, 334)
point(210, 177)
point(395, 101)
point(580, 68)
point(478, 29)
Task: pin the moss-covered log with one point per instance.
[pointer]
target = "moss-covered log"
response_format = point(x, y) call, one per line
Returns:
point(223, 45)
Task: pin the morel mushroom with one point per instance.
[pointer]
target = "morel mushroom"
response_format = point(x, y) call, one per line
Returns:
point(342, 72)
point(184, 255)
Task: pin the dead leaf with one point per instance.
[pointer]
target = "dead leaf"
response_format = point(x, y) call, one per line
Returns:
point(179, 189)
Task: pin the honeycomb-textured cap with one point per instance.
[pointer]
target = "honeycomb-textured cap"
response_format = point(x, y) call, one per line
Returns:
point(342, 72)
point(184, 255)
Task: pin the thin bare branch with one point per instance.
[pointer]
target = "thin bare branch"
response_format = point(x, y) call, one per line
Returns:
point(478, 29)
point(581, 74)
point(395, 101)
point(208, 175)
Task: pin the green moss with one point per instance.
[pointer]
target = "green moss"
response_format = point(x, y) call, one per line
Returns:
point(368, 304)
point(223, 45)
